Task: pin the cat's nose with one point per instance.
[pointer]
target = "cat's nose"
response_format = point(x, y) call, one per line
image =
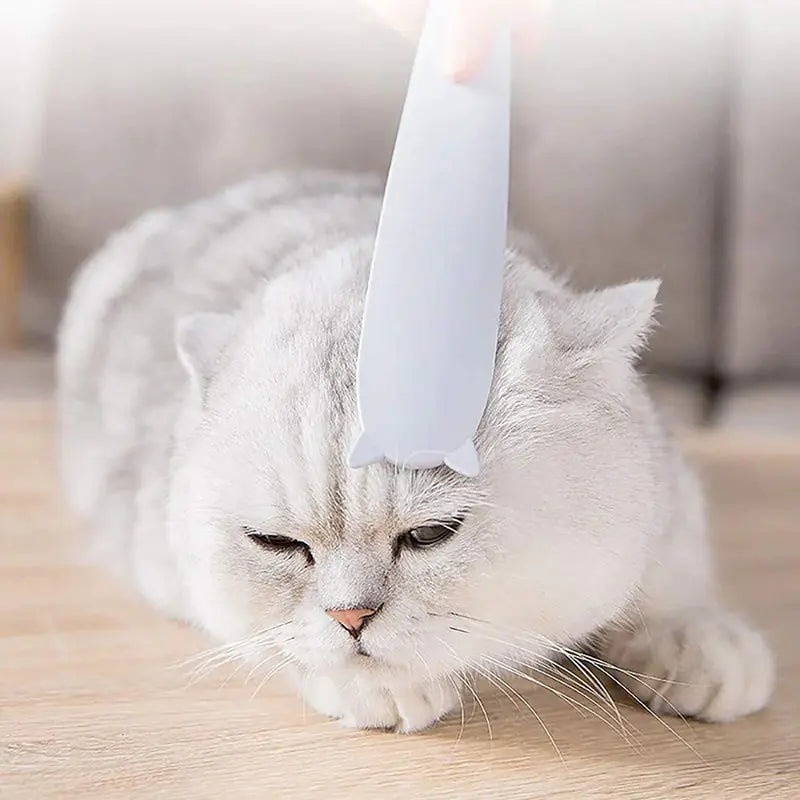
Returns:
point(351, 619)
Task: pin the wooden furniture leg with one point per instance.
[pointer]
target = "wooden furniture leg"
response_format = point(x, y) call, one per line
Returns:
point(12, 255)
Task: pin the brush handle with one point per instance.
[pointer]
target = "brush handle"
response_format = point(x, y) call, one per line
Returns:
point(431, 319)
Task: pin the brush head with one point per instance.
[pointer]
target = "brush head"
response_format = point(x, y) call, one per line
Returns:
point(432, 311)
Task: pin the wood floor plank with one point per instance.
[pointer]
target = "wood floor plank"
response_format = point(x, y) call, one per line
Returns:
point(94, 702)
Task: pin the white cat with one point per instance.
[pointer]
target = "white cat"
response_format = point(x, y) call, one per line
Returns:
point(215, 472)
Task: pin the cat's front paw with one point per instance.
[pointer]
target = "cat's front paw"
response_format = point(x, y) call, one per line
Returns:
point(707, 664)
point(364, 703)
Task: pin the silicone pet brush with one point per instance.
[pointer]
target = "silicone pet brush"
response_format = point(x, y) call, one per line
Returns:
point(429, 333)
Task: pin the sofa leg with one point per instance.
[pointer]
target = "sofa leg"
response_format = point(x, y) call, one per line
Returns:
point(12, 253)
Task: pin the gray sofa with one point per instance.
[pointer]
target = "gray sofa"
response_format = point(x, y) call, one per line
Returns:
point(650, 139)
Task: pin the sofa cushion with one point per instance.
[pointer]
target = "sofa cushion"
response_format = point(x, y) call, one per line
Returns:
point(761, 320)
point(615, 137)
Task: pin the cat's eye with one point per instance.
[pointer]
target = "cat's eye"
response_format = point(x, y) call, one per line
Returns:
point(273, 541)
point(430, 535)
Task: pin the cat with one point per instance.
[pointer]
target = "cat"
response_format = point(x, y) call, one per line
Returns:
point(206, 370)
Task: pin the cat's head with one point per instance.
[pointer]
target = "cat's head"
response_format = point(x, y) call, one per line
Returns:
point(282, 544)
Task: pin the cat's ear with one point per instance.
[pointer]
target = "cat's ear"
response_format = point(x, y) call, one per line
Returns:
point(200, 338)
point(615, 320)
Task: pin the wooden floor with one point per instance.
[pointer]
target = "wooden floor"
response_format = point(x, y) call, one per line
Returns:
point(94, 702)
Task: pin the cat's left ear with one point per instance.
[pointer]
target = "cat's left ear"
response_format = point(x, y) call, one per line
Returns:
point(200, 338)
point(615, 320)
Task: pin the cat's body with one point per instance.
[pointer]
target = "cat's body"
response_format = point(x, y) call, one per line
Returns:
point(220, 485)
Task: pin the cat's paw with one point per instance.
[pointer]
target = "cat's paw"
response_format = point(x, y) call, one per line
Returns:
point(362, 703)
point(708, 665)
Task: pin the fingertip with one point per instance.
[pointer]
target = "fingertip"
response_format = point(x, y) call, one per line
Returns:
point(470, 41)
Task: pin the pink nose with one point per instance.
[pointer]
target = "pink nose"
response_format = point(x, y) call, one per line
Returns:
point(350, 618)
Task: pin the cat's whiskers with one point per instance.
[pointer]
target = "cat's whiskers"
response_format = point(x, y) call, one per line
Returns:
point(653, 714)
point(562, 675)
point(556, 672)
point(497, 681)
point(424, 663)
point(211, 665)
point(262, 663)
point(478, 700)
point(569, 680)
point(205, 654)
point(571, 701)
point(240, 650)
point(579, 656)
point(427, 667)
point(576, 684)
point(274, 671)
point(239, 643)
point(538, 638)
point(598, 684)
point(606, 669)
point(509, 691)
point(461, 706)
point(465, 682)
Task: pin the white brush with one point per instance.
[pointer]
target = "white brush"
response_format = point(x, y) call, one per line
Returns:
point(432, 312)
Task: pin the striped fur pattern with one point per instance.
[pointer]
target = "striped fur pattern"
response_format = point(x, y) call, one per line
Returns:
point(190, 452)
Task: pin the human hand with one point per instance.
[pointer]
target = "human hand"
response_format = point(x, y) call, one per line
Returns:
point(473, 30)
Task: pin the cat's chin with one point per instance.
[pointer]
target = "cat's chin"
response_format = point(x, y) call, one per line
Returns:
point(358, 661)
point(360, 658)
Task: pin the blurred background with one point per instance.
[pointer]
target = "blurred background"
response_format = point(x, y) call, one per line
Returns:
point(650, 139)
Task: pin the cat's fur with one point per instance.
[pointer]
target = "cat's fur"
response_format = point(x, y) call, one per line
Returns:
point(584, 521)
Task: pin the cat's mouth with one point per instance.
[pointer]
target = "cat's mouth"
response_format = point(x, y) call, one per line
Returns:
point(361, 651)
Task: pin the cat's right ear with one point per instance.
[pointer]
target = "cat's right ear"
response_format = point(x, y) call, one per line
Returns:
point(199, 339)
